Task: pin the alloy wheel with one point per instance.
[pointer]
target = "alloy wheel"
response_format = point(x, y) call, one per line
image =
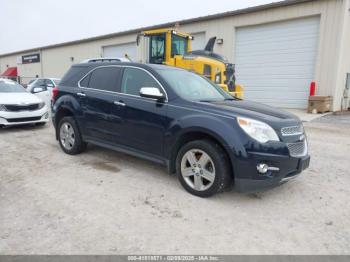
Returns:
point(67, 136)
point(198, 169)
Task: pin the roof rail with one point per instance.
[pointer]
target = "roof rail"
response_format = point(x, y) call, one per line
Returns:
point(106, 59)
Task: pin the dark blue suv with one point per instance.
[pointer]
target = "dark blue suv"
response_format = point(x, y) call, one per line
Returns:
point(181, 120)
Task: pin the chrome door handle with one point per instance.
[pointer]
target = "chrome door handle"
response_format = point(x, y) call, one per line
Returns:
point(119, 103)
point(81, 94)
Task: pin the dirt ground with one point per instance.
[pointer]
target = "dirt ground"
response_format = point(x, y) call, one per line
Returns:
point(103, 202)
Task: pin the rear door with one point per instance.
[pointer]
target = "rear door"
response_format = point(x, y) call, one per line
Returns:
point(144, 118)
point(101, 115)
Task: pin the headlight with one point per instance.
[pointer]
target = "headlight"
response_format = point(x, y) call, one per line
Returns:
point(41, 105)
point(2, 108)
point(258, 130)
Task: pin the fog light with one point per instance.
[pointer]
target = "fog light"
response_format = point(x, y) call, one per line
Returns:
point(264, 168)
point(46, 116)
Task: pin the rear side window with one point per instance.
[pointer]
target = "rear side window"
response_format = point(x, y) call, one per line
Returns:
point(105, 78)
point(39, 83)
point(74, 74)
point(56, 81)
point(85, 81)
point(134, 79)
point(49, 82)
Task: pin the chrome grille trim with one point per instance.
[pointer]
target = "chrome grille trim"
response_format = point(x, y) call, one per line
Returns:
point(292, 130)
point(297, 149)
point(3, 108)
point(19, 108)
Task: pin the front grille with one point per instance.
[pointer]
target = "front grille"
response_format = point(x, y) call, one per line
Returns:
point(18, 108)
point(292, 130)
point(25, 119)
point(297, 149)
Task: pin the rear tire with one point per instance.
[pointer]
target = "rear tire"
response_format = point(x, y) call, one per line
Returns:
point(69, 136)
point(203, 168)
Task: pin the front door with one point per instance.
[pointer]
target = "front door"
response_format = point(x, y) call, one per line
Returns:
point(144, 119)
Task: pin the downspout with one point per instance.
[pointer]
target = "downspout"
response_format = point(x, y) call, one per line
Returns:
point(41, 63)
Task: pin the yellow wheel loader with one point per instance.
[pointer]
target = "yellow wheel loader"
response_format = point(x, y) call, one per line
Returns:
point(169, 47)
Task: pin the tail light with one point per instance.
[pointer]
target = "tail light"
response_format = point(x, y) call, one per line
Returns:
point(54, 94)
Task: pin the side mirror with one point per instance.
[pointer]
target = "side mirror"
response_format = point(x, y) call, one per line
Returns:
point(38, 90)
point(151, 92)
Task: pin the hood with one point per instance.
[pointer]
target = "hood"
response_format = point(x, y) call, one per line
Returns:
point(253, 110)
point(18, 98)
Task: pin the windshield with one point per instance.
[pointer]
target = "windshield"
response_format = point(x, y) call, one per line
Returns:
point(7, 86)
point(193, 87)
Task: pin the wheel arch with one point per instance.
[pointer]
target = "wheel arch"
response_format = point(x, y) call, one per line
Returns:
point(191, 135)
point(63, 111)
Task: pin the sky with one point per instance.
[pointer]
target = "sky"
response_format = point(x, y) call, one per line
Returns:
point(29, 24)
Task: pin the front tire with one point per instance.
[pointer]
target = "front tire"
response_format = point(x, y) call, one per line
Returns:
point(203, 168)
point(69, 136)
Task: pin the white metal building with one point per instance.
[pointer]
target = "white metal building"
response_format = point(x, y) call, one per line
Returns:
point(278, 49)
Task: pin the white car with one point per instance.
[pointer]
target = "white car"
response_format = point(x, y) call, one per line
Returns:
point(18, 106)
point(42, 88)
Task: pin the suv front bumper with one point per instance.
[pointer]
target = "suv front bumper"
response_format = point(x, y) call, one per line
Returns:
point(248, 179)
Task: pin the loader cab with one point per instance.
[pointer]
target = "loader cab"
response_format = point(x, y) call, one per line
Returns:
point(173, 48)
point(157, 48)
point(165, 44)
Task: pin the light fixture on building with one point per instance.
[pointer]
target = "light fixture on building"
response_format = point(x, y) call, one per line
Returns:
point(219, 41)
point(71, 58)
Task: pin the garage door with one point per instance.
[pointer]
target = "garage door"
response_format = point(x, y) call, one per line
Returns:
point(120, 50)
point(199, 41)
point(275, 62)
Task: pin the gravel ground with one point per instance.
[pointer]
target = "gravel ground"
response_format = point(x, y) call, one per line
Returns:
point(103, 202)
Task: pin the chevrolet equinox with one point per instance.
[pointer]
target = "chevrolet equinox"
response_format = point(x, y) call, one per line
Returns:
point(181, 120)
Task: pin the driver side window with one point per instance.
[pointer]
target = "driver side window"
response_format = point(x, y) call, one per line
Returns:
point(49, 83)
point(134, 79)
point(41, 83)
